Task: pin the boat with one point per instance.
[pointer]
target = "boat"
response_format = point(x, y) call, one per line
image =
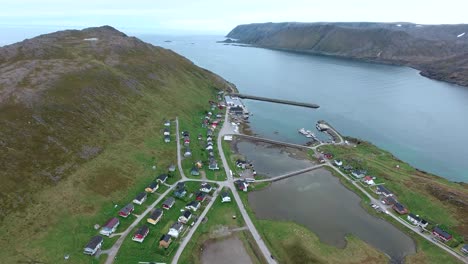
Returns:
point(302, 131)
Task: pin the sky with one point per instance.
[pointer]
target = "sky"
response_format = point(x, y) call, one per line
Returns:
point(178, 17)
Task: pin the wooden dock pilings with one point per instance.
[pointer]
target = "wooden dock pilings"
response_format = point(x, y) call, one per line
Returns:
point(280, 101)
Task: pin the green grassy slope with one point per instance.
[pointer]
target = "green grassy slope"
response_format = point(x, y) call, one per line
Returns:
point(86, 137)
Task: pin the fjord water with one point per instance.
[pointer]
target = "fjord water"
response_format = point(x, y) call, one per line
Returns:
point(421, 121)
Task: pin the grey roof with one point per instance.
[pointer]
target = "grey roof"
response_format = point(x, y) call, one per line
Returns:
point(94, 242)
point(162, 177)
point(187, 213)
point(383, 189)
point(141, 196)
point(224, 194)
point(193, 203)
point(414, 217)
point(169, 201)
point(153, 185)
point(156, 213)
point(142, 230)
point(127, 208)
point(177, 225)
point(165, 238)
point(442, 233)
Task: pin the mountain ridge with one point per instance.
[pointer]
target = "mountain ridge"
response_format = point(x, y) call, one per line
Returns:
point(428, 48)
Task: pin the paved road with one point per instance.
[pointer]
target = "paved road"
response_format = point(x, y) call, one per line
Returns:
point(261, 244)
point(187, 238)
point(290, 174)
point(396, 217)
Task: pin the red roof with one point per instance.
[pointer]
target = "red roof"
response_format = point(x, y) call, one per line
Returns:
point(368, 178)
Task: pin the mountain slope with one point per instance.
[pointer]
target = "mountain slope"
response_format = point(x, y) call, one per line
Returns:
point(421, 47)
point(65, 96)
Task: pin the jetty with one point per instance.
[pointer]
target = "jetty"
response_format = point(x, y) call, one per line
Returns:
point(279, 101)
point(290, 174)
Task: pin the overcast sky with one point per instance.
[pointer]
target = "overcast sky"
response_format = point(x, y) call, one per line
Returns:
point(217, 16)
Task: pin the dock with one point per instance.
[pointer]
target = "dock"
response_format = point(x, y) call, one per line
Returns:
point(279, 101)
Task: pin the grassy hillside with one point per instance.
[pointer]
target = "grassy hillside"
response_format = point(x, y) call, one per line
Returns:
point(421, 47)
point(81, 119)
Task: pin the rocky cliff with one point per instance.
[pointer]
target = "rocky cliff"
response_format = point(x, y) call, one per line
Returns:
point(438, 51)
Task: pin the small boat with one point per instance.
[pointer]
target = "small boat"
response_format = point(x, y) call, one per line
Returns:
point(302, 131)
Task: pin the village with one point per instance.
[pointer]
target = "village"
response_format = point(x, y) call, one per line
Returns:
point(182, 196)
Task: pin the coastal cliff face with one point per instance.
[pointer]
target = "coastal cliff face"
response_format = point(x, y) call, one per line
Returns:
point(438, 51)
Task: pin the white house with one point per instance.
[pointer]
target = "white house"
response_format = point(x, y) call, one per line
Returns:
point(368, 180)
point(93, 245)
point(338, 163)
point(210, 147)
point(140, 198)
point(185, 217)
point(109, 227)
point(175, 229)
point(206, 187)
point(225, 198)
point(414, 219)
point(194, 205)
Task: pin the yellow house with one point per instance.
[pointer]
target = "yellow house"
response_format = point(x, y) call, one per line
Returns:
point(155, 216)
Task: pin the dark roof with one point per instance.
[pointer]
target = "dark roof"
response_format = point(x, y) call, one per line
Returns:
point(205, 185)
point(156, 214)
point(141, 196)
point(111, 223)
point(414, 217)
point(142, 230)
point(166, 129)
point(390, 200)
point(177, 225)
point(224, 194)
point(201, 194)
point(167, 136)
point(165, 238)
point(94, 242)
point(442, 233)
point(399, 207)
point(383, 189)
point(169, 201)
point(193, 203)
point(180, 185)
point(187, 213)
point(465, 247)
point(162, 177)
point(129, 207)
point(423, 221)
point(153, 185)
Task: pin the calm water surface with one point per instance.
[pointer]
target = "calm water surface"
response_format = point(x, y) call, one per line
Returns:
point(419, 120)
point(320, 202)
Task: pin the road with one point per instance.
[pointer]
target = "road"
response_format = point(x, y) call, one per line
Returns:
point(187, 238)
point(261, 244)
point(291, 174)
point(112, 252)
point(179, 152)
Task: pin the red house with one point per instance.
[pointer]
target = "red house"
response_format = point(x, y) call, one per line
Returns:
point(201, 196)
point(441, 234)
point(141, 234)
point(127, 210)
point(399, 208)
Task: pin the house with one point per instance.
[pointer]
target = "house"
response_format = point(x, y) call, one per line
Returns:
point(209, 133)
point(185, 134)
point(242, 185)
point(109, 227)
point(209, 147)
point(241, 163)
point(172, 168)
point(200, 196)
point(155, 216)
point(180, 185)
point(225, 198)
point(389, 200)
point(368, 180)
point(383, 191)
point(399, 208)
point(186, 142)
point(152, 187)
point(209, 143)
point(464, 249)
point(140, 198)
point(348, 167)
point(167, 123)
point(180, 192)
point(213, 164)
point(423, 223)
point(195, 171)
point(414, 219)
point(187, 152)
point(166, 131)
point(211, 153)
point(441, 234)
point(141, 234)
point(93, 245)
point(359, 173)
point(168, 203)
point(193, 205)
point(185, 217)
point(199, 164)
point(165, 241)
point(162, 178)
point(175, 229)
point(209, 138)
point(206, 187)
point(127, 210)
point(338, 163)
point(167, 139)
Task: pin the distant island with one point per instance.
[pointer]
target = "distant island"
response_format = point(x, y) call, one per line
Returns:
point(439, 51)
